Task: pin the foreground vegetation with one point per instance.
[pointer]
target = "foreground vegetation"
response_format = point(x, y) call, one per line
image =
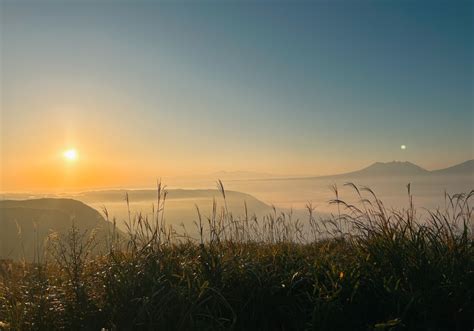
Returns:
point(365, 268)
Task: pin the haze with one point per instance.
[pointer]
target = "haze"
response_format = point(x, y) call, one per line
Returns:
point(236, 165)
point(143, 90)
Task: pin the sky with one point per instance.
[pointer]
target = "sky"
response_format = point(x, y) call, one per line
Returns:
point(149, 89)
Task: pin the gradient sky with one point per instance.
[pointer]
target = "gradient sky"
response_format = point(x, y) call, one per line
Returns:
point(145, 89)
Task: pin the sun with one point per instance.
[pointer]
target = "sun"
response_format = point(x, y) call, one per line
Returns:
point(70, 154)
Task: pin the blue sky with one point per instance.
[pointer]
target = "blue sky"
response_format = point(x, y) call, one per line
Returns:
point(283, 87)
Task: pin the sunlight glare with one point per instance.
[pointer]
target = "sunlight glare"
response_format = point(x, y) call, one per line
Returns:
point(70, 154)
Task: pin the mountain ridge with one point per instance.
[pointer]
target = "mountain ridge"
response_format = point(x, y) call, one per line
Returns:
point(25, 224)
point(390, 168)
point(393, 168)
point(466, 167)
point(404, 168)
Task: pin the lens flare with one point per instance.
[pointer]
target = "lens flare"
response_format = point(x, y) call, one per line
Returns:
point(70, 154)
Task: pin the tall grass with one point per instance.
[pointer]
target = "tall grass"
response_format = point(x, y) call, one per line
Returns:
point(365, 268)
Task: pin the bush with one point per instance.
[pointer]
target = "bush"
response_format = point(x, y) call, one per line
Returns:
point(364, 269)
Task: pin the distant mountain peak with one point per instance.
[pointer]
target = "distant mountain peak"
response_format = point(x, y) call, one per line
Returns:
point(464, 168)
point(395, 162)
point(240, 174)
point(406, 168)
point(392, 168)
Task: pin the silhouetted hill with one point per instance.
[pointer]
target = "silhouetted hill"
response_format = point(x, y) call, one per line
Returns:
point(394, 168)
point(180, 206)
point(397, 168)
point(172, 194)
point(465, 168)
point(25, 224)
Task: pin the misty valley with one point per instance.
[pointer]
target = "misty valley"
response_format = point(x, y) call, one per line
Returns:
point(237, 165)
point(35, 219)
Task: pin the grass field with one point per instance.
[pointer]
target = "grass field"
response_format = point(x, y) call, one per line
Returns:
point(364, 268)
